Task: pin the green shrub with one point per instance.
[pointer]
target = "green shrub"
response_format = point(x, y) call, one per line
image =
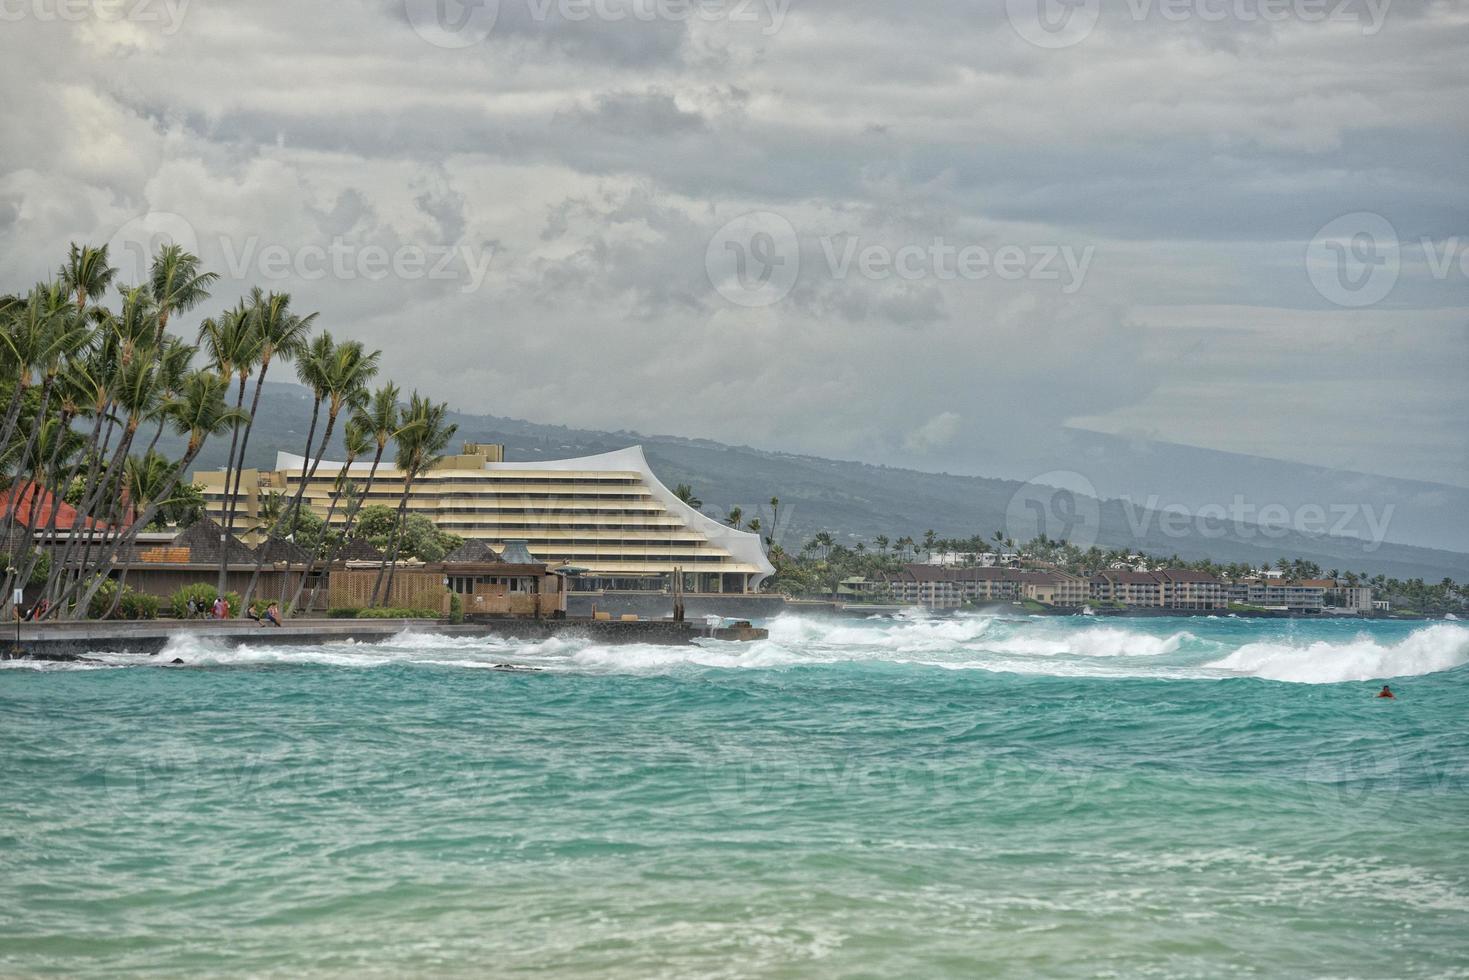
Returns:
point(204, 593)
point(132, 605)
point(39, 574)
point(138, 605)
point(456, 608)
point(344, 612)
point(102, 599)
point(391, 613)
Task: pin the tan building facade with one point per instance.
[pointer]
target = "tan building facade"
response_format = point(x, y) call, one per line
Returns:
point(607, 516)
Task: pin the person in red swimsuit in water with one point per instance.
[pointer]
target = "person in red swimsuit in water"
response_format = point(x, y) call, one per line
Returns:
point(1386, 692)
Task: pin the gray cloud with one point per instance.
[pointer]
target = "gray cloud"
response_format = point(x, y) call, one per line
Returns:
point(586, 165)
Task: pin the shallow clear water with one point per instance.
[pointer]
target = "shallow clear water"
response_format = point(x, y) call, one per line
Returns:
point(924, 797)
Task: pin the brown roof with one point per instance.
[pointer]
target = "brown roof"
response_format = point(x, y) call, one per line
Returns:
point(1127, 578)
point(358, 549)
point(472, 551)
point(280, 550)
point(203, 539)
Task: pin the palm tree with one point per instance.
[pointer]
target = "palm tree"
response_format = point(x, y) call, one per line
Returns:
point(136, 395)
point(146, 477)
point(281, 334)
point(754, 525)
point(339, 375)
point(379, 418)
point(735, 518)
point(421, 440)
point(233, 347)
point(176, 284)
point(84, 395)
point(199, 412)
point(51, 332)
point(95, 377)
point(86, 273)
point(357, 440)
point(685, 493)
point(774, 520)
point(312, 369)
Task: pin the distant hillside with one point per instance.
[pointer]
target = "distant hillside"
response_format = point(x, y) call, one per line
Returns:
point(860, 500)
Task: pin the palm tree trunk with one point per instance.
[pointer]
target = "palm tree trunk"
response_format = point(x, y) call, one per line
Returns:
point(12, 413)
point(271, 534)
point(46, 386)
point(95, 453)
point(56, 494)
point(326, 526)
point(39, 474)
point(352, 512)
point(131, 534)
point(87, 513)
point(228, 466)
point(232, 496)
point(390, 563)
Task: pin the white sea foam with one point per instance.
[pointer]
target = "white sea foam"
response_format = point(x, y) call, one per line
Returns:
point(1424, 651)
point(1101, 641)
point(1060, 647)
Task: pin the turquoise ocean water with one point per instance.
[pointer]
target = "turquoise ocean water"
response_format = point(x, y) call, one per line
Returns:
point(914, 797)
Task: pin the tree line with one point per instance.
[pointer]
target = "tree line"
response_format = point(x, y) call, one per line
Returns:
point(92, 380)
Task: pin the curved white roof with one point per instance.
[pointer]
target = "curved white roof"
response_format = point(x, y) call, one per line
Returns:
point(743, 546)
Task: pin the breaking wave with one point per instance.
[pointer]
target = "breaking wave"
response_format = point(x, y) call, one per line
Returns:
point(1424, 651)
point(1311, 653)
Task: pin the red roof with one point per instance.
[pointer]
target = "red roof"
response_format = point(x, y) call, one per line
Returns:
point(32, 504)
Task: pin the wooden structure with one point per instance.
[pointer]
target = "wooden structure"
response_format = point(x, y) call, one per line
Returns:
point(486, 586)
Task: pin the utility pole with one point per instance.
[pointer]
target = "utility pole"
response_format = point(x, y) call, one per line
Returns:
point(17, 599)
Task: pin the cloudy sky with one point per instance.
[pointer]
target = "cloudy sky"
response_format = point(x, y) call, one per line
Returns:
point(929, 233)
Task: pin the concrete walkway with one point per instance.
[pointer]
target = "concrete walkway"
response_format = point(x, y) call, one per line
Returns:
point(69, 641)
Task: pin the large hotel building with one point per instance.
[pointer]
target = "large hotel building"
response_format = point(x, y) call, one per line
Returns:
point(608, 516)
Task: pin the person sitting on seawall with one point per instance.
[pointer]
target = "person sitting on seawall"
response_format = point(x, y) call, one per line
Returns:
point(1386, 692)
point(273, 614)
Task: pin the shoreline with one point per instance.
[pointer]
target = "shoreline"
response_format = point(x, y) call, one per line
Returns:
point(71, 642)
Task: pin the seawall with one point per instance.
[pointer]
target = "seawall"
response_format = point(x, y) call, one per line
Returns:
point(71, 641)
